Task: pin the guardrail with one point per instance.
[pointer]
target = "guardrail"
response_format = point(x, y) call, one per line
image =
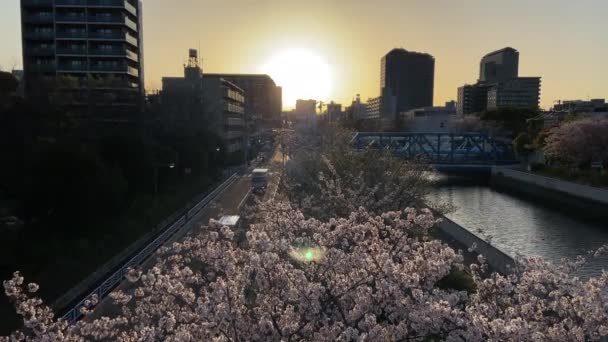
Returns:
point(101, 292)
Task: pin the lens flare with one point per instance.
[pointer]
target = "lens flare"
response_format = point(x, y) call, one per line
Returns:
point(307, 255)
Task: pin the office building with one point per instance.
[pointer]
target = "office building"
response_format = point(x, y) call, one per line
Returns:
point(472, 98)
point(182, 98)
point(429, 119)
point(264, 98)
point(499, 66)
point(582, 106)
point(499, 85)
point(225, 111)
point(373, 108)
point(521, 92)
point(409, 77)
point(90, 50)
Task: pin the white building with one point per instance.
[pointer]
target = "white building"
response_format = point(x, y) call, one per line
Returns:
point(430, 119)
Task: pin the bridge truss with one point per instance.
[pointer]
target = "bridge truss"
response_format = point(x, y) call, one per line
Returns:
point(440, 148)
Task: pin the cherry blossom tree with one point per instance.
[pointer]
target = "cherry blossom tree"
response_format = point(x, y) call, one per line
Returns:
point(329, 178)
point(362, 277)
point(579, 142)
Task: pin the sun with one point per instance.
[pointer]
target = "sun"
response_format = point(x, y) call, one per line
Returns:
point(302, 74)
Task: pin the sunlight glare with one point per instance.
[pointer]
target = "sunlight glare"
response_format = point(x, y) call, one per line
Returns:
point(302, 74)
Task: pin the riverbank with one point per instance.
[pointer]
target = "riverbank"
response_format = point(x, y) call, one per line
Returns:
point(460, 238)
point(586, 202)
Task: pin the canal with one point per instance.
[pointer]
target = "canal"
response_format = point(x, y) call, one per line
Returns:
point(520, 226)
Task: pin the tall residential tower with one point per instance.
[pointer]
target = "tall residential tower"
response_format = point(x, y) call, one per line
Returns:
point(409, 77)
point(91, 50)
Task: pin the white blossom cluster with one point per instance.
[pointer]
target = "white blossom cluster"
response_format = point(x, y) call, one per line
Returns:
point(378, 278)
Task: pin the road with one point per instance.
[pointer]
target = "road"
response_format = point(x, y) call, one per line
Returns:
point(229, 202)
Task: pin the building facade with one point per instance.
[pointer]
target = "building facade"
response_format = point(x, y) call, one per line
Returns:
point(373, 108)
point(582, 106)
point(264, 98)
point(521, 92)
point(429, 119)
point(499, 66)
point(182, 97)
point(91, 50)
point(472, 98)
point(225, 112)
point(499, 85)
point(409, 77)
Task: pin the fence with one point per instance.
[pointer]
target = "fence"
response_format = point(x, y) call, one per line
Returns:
point(74, 314)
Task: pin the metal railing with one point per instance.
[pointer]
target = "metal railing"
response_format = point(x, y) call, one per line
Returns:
point(102, 291)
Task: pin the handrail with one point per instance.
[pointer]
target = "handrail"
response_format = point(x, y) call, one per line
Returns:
point(101, 292)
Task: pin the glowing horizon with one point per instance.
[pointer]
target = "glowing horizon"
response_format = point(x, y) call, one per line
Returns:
point(302, 74)
point(242, 36)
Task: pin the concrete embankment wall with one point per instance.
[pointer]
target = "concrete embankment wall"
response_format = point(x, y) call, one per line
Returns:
point(581, 200)
point(496, 259)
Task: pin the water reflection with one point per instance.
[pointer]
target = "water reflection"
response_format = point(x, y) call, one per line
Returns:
point(521, 226)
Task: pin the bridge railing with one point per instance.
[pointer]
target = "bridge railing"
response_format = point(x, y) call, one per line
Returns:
point(472, 148)
point(102, 291)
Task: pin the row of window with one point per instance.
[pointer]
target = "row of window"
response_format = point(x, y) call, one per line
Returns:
point(231, 107)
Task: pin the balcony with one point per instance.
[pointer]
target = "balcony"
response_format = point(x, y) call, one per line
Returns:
point(112, 68)
point(107, 19)
point(115, 52)
point(42, 67)
point(70, 3)
point(72, 51)
point(40, 18)
point(131, 24)
point(71, 18)
point(71, 35)
point(41, 35)
point(113, 4)
point(40, 50)
point(107, 35)
point(37, 3)
point(132, 40)
point(72, 68)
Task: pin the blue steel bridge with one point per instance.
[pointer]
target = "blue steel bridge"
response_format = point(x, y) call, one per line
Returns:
point(444, 150)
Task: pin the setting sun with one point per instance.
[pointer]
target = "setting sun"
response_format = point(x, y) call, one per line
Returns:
point(301, 73)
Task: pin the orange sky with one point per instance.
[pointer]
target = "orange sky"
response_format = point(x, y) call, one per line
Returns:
point(563, 41)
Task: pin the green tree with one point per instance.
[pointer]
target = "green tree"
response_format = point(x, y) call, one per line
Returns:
point(514, 120)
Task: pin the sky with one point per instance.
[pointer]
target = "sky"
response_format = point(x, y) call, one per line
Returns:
point(563, 41)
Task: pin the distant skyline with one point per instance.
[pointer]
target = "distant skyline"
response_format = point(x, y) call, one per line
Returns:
point(562, 41)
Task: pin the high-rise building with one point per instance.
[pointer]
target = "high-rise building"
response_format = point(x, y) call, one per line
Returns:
point(499, 85)
point(521, 92)
point(90, 49)
point(264, 98)
point(500, 65)
point(409, 77)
